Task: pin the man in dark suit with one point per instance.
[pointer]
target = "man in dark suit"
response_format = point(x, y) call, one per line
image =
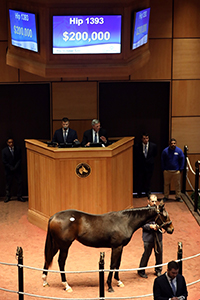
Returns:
point(65, 134)
point(95, 135)
point(170, 285)
point(11, 157)
point(145, 153)
point(152, 239)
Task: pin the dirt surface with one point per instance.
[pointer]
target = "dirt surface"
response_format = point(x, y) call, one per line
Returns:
point(15, 230)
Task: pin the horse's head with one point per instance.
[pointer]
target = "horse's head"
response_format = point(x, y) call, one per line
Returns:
point(163, 219)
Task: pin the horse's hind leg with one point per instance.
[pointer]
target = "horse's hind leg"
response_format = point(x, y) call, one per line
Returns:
point(61, 261)
point(44, 275)
point(46, 267)
point(109, 282)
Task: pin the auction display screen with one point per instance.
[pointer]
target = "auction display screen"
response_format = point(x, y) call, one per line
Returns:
point(87, 34)
point(141, 28)
point(23, 30)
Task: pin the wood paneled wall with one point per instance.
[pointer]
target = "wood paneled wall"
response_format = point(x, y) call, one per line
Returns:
point(3, 21)
point(77, 100)
point(174, 43)
point(186, 59)
point(186, 19)
point(159, 65)
point(185, 79)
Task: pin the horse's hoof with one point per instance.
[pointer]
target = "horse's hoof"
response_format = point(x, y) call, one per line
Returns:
point(45, 284)
point(44, 277)
point(110, 290)
point(69, 289)
point(120, 284)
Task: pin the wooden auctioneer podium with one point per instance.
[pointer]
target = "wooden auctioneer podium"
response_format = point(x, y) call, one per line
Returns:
point(94, 180)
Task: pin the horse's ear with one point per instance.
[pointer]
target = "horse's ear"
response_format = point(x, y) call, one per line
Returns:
point(161, 205)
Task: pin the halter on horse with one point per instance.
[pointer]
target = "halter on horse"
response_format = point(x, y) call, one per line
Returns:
point(111, 230)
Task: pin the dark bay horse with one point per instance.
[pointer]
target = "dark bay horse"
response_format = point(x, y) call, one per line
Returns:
point(110, 230)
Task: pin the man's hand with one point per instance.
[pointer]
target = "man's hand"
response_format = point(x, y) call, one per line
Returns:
point(154, 226)
point(103, 139)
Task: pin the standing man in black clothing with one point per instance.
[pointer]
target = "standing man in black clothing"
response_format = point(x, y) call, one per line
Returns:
point(145, 153)
point(11, 157)
point(152, 239)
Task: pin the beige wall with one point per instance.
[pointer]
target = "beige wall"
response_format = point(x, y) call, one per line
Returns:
point(174, 44)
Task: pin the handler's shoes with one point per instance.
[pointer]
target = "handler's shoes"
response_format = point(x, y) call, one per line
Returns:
point(165, 199)
point(179, 200)
point(7, 199)
point(21, 199)
point(158, 273)
point(143, 275)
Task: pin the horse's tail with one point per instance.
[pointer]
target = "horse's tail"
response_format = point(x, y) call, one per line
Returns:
point(49, 251)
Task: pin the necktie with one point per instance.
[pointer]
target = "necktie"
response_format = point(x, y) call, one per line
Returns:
point(65, 136)
point(145, 150)
point(173, 287)
point(12, 151)
point(95, 138)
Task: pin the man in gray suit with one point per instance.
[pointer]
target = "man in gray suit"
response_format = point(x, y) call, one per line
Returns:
point(96, 134)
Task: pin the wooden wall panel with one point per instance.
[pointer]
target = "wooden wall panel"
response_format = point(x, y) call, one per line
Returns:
point(120, 167)
point(77, 100)
point(160, 25)
point(118, 76)
point(40, 167)
point(27, 77)
point(159, 64)
point(79, 125)
point(186, 59)
point(74, 79)
point(184, 130)
point(7, 73)
point(3, 21)
point(185, 98)
point(186, 18)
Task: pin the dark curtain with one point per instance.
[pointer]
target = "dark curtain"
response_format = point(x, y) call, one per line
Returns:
point(131, 108)
point(24, 114)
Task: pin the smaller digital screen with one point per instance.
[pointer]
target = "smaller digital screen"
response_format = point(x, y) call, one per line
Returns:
point(141, 28)
point(87, 34)
point(23, 30)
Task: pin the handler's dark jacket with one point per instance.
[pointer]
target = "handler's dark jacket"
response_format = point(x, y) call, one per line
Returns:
point(148, 234)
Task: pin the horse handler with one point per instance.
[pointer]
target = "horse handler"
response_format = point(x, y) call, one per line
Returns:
point(152, 239)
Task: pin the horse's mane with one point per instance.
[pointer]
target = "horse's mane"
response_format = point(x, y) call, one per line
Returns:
point(138, 209)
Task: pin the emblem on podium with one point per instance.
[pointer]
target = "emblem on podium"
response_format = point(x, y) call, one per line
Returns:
point(83, 170)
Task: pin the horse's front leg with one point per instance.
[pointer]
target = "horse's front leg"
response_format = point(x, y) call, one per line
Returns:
point(61, 261)
point(115, 260)
point(116, 276)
